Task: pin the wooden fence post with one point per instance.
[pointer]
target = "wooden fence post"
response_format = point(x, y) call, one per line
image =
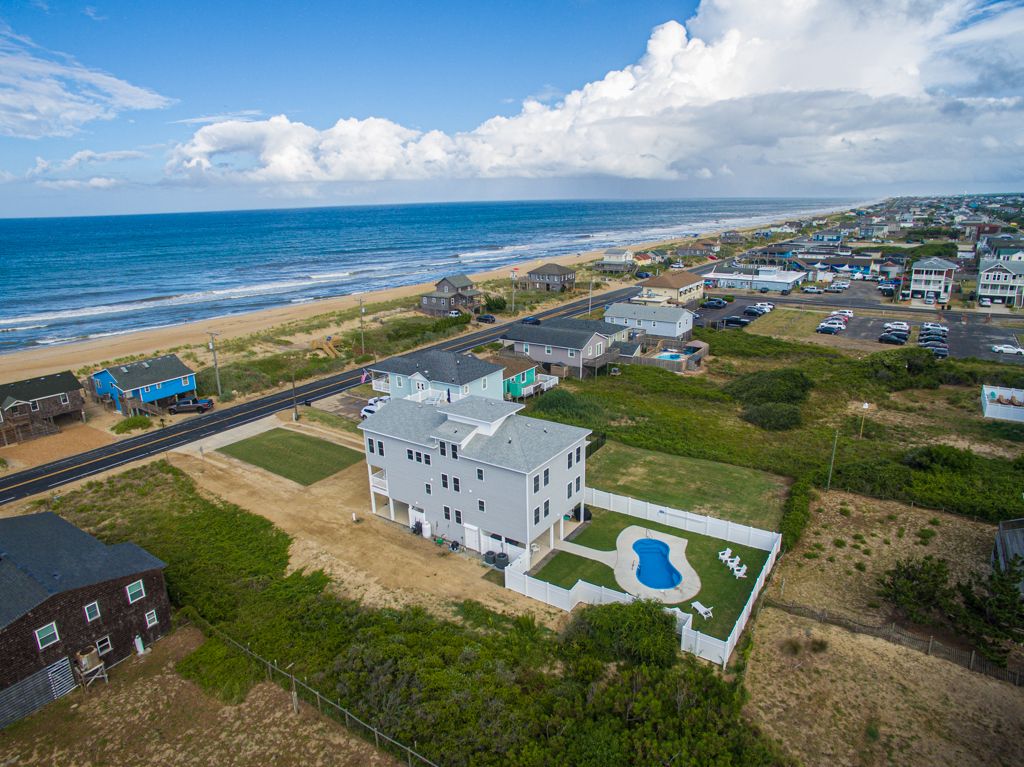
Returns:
point(295, 696)
point(376, 737)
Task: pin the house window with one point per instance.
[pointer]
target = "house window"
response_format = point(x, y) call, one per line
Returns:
point(481, 506)
point(135, 591)
point(47, 636)
point(426, 458)
point(151, 619)
point(159, 385)
point(600, 347)
point(447, 513)
point(369, 446)
point(526, 348)
point(400, 382)
point(578, 484)
point(568, 490)
point(536, 483)
point(480, 474)
point(145, 388)
point(522, 377)
point(427, 488)
point(547, 508)
point(572, 353)
point(419, 457)
point(484, 384)
point(184, 381)
point(408, 453)
point(570, 459)
point(33, 406)
point(455, 452)
point(92, 611)
point(380, 448)
point(577, 455)
point(64, 399)
point(458, 517)
point(547, 350)
point(444, 481)
point(547, 476)
point(465, 389)
point(103, 645)
point(455, 485)
point(444, 448)
point(536, 516)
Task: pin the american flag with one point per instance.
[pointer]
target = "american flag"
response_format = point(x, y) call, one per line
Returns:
point(363, 377)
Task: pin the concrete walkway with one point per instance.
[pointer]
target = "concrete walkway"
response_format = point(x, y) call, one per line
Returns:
point(604, 557)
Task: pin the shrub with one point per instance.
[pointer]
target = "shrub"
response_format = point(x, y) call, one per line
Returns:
point(796, 512)
point(564, 405)
point(131, 423)
point(940, 457)
point(917, 587)
point(839, 543)
point(773, 416)
point(784, 385)
point(640, 632)
point(495, 303)
point(220, 671)
point(925, 535)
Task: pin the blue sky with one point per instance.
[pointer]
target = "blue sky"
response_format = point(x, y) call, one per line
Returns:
point(601, 98)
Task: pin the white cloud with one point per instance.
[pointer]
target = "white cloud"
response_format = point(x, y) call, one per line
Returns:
point(96, 182)
point(807, 94)
point(44, 93)
point(83, 157)
point(242, 114)
point(92, 13)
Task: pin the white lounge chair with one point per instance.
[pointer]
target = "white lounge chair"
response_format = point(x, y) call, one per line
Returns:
point(740, 572)
point(724, 555)
point(733, 563)
point(705, 612)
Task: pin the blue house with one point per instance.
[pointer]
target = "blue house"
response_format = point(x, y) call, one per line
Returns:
point(146, 386)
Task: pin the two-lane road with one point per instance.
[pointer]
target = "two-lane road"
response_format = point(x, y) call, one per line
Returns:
point(51, 475)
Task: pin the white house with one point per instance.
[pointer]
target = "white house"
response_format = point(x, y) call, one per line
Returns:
point(435, 375)
point(1002, 404)
point(1002, 282)
point(932, 278)
point(769, 278)
point(616, 260)
point(476, 472)
point(663, 321)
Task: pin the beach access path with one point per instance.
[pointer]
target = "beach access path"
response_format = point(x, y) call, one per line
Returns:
point(45, 478)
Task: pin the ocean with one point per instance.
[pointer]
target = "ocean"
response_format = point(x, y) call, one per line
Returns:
point(67, 279)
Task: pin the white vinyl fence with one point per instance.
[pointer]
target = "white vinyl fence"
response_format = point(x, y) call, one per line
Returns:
point(693, 641)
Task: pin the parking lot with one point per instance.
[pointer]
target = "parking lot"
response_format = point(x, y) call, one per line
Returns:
point(970, 335)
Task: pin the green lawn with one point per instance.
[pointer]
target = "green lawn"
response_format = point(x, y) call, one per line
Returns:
point(719, 588)
point(294, 456)
point(720, 490)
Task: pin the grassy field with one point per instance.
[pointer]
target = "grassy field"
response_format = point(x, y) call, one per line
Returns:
point(719, 588)
point(297, 457)
point(330, 420)
point(721, 490)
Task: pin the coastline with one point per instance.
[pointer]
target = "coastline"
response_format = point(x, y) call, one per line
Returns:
point(29, 363)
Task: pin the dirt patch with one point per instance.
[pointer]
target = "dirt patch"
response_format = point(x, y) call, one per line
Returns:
point(73, 439)
point(373, 560)
point(837, 698)
point(852, 540)
point(149, 715)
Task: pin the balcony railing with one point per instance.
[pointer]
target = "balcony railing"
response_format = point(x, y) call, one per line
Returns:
point(381, 384)
point(379, 481)
point(435, 396)
point(546, 382)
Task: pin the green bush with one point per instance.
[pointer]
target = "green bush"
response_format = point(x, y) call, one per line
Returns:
point(918, 587)
point(220, 671)
point(639, 632)
point(564, 405)
point(787, 385)
point(495, 304)
point(796, 512)
point(773, 416)
point(131, 423)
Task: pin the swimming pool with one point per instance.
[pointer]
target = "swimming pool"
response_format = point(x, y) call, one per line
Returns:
point(669, 356)
point(653, 569)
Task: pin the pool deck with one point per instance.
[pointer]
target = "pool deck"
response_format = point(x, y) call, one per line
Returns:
point(624, 560)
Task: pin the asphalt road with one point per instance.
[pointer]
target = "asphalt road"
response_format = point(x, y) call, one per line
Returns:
point(44, 478)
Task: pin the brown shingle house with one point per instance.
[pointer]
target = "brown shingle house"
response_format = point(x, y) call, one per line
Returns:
point(677, 285)
point(33, 407)
point(552, 277)
point(454, 292)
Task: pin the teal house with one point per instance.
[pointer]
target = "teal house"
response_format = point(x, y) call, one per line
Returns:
point(520, 378)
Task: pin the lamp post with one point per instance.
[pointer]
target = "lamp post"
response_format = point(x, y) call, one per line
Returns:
point(832, 463)
point(863, 412)
point(216, 368)
point(513, 276)
point(295, 403)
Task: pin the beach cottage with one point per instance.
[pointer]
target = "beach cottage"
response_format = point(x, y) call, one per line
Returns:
point(552, 277)
point(146, 387)
point(33, 407)
point(456, 292)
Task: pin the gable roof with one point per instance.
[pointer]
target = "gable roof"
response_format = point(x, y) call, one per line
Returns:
point(42, 555)
point(1014, 267)
point(458, 280)
point(673, 278)
point(38, 388)
point(592, 326)
point(438, 365)
point(641, 312)
point(147, 372)
point(934, 263)
point(515, 365)
point(556, 269)
point(566, 338)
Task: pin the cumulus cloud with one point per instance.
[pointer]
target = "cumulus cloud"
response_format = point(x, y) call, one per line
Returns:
point(811, 93)
point(44, 93)
point(82, 158)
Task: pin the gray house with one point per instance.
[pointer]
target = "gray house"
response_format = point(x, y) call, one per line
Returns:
point(661, 321)
point(454, 293)
point(578, 345)
point(436, 375)
point(553, 277)
point(475, 472)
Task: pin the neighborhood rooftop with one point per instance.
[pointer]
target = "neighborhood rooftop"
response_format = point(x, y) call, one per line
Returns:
point(147, 372)
point(641, 312)
point(437, 365)
point(934, 263)
point(673, 278)
point(556, 269)
point(42, 555)
point(567, 338)
point(36, 388)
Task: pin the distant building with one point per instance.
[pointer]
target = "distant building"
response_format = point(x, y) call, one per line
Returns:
point(732, 237)
point(66, 596)
point(435, 375)
point(767, 279)
point(553, 277)
point(677, 285)
point(932, 278)
point(616, 260)
point(576, 347)
point(1002, 282)
point(659, 321)
point(146, 387)
point(34, 407)
point(456, 292)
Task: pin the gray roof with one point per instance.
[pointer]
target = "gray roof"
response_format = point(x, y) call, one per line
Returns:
point(520, 443)
point(37, 388)
point(616, 251)
point(42, 555)
point(626, 348)
point(458, 280)
point(565, 338)
point(1014, 267)
point(438, 365)
point(592, 326)
point(147, 372)
point(556, 269)
point(480, 408)
point(650, 313)
point(934, 263)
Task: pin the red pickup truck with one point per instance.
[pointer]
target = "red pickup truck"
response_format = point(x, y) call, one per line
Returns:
point(191, 405)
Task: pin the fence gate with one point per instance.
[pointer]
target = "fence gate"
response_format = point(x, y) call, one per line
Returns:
point(33, 692)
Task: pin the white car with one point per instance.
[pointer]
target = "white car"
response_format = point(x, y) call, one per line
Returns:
point(843, 312)
point(896, 325)
point(811, 289)
point(369, 410)
point(764, 305)
point(1007, 349)
point(934, 326)
point(379, 400)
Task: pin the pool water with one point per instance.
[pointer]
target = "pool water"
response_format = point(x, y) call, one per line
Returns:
point(669, 356)
point(654, 570)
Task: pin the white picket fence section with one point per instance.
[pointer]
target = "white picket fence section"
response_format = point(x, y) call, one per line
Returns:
point(691, 640)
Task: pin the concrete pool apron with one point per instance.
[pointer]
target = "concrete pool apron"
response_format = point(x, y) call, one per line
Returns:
point(624, 560)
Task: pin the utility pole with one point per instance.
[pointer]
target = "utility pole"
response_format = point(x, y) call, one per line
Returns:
point(832, 463)
point(513, 275)
point(216, 368)
point(590, 298)
point(295, 403)
point(362, 337)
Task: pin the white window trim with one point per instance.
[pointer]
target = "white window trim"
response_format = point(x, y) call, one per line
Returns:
point(151, 619)
point(184, 381)
point(128, 591)
point(56, 635)
point(64, 398)
point(33, 406)
point(109, 644)
point(86, 609)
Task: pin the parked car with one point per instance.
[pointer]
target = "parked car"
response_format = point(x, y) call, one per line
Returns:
point(1007, 349)
point(831, 330)
point(929, 302)
point(530, 321)
point(643, 275)
point(844, 312)
point(786, 291)
point(753, 311)
point(715, 303)
point(762, 290)
point(487, 319)
point(891, 338)
point(190, 405)
point(765, 305)
point(934, 326)
point(940, 353)
point(735, 321)
point(984, 302)
point(677, 265)
point(931, 343)
point(811, 289)
point(923, 339)
point(453, 313)
point(833, 289)
point(370, 409)
point(378, 400)
point(896, 326)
